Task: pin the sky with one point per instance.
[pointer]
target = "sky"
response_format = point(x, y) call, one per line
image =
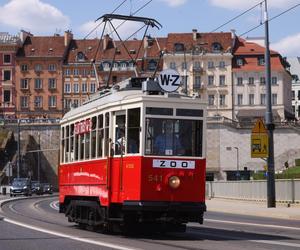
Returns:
point(46, 17)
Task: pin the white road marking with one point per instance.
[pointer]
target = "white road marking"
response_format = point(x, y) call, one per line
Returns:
point(98, 243)
point(253, 224)
point(54, 205)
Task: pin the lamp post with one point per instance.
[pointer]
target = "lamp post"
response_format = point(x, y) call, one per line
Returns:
point(237, 161)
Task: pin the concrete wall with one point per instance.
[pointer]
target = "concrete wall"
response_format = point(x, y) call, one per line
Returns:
point(220, 136)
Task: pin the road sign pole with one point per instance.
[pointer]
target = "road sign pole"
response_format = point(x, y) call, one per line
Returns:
point(269, 118)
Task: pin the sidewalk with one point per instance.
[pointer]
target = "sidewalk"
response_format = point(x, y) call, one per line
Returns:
point(254, 208)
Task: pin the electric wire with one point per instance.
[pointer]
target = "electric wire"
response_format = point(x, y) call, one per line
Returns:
point(274, 17)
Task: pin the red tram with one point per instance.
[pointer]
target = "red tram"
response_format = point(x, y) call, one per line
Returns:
point(130, 156)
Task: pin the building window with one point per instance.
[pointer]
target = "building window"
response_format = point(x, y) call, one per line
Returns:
point(38, 83)
point(6, 59)
point(211, 100)
point(197, 82)
point(92, 87)
point(298, 95)
point(222, 100)
point(38, 101)
point(6, 75)
point(251, 80)
point(184, 65)
point(6, 96)
point(76, 88)
point(83, 87)
point(76, 72)
point(211, 80)
point(52, 101)
point(261, 61)
point(67, 72)
point(178, 47)
point(131, 66)
point(80, 56)
point(67, 87)
point(172, 65)
point(274, 80)
point(24, 67)
point(197, 65)
point(67, 103)
point(239, 99)
point(124, 66)
point(222, 80)
point(221, 64)
point(24, 101)
point(115, 66)
point(24, 83)
point(251, 99)
point(75, 103)
point(210, 64)
point(240, 81)
point(239, 61)
point(216, 47)
point(293, 95)
point(152, 65)
point(52, 67)
point(274, 99)
point(262, 99)
point(52, 83)
point(263, 80)
point(38, 67)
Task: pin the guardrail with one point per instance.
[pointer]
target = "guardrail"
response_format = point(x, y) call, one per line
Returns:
point(286, 190)
point(29, 121)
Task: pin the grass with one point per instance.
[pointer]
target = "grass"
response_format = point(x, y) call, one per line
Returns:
point(289, 173)
point(3, 135)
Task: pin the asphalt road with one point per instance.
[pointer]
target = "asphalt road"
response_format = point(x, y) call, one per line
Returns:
point(36, 224)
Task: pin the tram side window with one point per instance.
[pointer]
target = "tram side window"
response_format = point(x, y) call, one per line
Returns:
point(106, 134)
point(62, 153)
point(120, 135)
point(133, 131)
point(81, 146)
point(94, 137)
point(87, 145)
point(72, 142)
point(67, 143)
point(100, 136)
point(76, 148)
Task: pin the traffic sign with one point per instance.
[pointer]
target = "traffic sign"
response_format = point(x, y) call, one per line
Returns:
point(169, 80)
point(259, 140)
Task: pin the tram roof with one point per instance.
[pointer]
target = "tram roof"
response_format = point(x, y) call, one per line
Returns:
point(124, 96)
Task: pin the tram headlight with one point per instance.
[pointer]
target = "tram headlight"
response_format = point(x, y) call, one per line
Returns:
point(174, 182)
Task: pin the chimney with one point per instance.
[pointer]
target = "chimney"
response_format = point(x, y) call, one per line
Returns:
point(24, 34)
point(194, 34)
point(68, 36)
point(106, 42)
point(233, 33)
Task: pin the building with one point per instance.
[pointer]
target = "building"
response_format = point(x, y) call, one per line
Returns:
point(8, 47)
point(39, 78)
point(204, 61)
point(295, 70)
point(249, 91)
point(93, 64)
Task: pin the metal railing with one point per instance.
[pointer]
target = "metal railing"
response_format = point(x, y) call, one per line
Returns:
point(287, 190)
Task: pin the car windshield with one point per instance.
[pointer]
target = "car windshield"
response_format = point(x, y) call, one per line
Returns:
point(19, 183)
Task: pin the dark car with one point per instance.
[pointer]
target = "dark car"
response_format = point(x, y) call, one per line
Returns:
point(35, 187)
point(45, 188)
point(20, 186)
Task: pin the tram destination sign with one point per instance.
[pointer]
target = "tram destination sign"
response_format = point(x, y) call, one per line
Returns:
point(169, 80)
point(83, 127)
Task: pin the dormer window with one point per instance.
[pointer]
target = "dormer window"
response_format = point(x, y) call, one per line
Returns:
point(132, 51)
point(106, 66)
point(216, 47)
point(261, 61)
point(152, 65)
point(80, 56)
point(239, 61)
point(178, 47)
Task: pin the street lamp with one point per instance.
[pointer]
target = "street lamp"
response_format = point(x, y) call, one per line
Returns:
point(237, 160)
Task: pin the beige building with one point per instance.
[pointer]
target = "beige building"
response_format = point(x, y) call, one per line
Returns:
point(204, 62)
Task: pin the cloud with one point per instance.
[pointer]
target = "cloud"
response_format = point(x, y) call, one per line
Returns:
point(241, 5)
point(125, 30)
point(174, 3)
point(33, 15)
point(288, 46)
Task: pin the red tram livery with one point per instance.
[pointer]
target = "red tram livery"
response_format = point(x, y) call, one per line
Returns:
point(131, 156)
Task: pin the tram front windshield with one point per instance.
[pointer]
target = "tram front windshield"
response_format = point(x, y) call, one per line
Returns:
point(173, 137)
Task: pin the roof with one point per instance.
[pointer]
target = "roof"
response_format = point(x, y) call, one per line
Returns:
point(203, 40)
point(6, 38)
point(45, 46)
point(244, 47)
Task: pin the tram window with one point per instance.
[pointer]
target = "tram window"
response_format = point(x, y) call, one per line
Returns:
point(93, 137)
point(67, 144)
point(133, 131)
point(159, 111)
point(189, 112)
point(175, 137)
point(81, 147)
point(100, 136)
point(120, 135)
point(72, 143)
point(106, 134)
point(76, 148)
point(87, 146)
point(62, 153)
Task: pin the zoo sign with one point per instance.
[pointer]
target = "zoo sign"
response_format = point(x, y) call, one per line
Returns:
point(169, 80)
